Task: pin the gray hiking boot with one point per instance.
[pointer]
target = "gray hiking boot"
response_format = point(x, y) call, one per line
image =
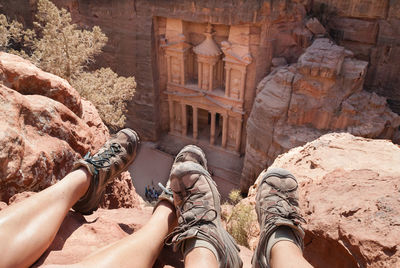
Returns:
point(111, 160)
point(188, 153)
point(277, 206)
point(197, 203)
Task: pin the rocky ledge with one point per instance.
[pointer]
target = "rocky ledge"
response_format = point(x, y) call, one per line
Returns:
point(45, 126)
point(349, 196)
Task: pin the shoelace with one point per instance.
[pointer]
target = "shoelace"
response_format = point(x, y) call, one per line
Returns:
point(185, 225)
point(103, 158)
point(292, 215)
point(165, 190)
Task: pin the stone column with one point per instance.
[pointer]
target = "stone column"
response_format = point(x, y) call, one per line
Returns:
point(183, 70)
point(228, 81)
point(211, 78)
point(195, 119)
point(212, 129)
point(224, 130)
point(238, 134)
point(169, 68)
point(171, 116)
point(200, 74)
point(184, 120)
point(242, 84)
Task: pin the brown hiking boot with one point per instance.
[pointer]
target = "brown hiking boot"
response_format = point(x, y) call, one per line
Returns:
point(277, 206)
point(197, 203)
point(188, 153)
point(111, 160)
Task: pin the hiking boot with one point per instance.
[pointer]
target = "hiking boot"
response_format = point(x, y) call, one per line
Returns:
point(197, 203)
point(277, 209)
point(111, 160)
point(188, 153)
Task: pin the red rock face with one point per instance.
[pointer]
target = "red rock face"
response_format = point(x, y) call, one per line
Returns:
point(40, 139)
point(350, 202)
point(24, 77)
point(45, 127)
point(371, 30)
point(300, 102)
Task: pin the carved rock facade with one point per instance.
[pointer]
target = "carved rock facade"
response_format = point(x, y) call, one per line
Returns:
point(322, 93)
point(206, 83)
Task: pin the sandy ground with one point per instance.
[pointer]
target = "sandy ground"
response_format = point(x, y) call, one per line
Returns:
point(151, 166)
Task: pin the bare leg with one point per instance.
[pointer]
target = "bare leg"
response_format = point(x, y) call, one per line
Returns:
point(139, 249)
point(285, 254)
point(28, 228)
point(200, 258)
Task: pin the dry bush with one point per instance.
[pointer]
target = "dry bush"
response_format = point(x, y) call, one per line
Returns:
point(240, 223)
point(235, 196)
point(58, 46)
point(12, 32)
point(62, 48)
point(108, 92)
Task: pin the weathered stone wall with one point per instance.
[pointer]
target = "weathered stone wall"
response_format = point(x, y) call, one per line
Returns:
point(371, 29)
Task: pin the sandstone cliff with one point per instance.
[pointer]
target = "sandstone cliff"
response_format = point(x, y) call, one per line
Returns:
point(349, 196)
point(368, 28)
point(45, 126)
point(371, 30)
point(322, 92)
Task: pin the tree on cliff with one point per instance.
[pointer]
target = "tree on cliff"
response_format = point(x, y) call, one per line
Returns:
point(58, 46)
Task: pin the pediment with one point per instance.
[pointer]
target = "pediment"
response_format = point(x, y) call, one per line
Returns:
point(236, 54)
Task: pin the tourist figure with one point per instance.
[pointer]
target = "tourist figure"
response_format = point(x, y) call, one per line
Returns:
point(154, 194)
point(147, 192)
point(191, 195)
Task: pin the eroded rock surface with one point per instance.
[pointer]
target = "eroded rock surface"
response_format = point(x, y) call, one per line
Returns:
point(322, 93)
point(45, 127)
point(22, 76)
point(371, 30)
point(349, 196)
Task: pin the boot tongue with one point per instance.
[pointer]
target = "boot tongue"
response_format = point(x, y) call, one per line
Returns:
point(287, 184)
point(179, 170)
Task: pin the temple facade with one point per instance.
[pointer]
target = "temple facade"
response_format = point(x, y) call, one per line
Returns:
point(206, 73)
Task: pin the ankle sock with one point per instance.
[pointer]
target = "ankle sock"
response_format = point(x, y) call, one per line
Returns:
point(282, 233)
point(193, 243)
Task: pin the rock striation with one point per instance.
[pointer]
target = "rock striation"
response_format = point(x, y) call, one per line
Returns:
point(371, 30)
point(349, 196)
point(321, 93)
point(45, 126)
